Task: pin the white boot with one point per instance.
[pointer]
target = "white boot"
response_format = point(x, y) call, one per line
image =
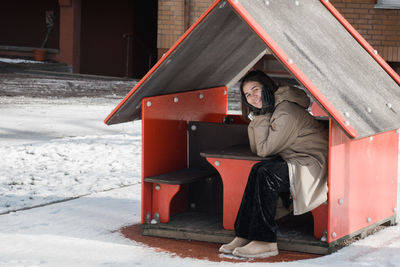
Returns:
point(236, 242)
point(257, 249)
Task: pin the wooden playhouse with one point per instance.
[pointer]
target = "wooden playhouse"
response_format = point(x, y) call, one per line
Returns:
point(195, 157)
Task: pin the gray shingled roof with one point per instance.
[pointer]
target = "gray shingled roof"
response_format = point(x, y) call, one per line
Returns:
point(337, 70)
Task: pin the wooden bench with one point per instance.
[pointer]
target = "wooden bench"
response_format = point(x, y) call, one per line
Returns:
point(198, 186)
point(214, 150)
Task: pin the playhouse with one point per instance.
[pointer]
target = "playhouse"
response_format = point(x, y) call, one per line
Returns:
point(195, 156)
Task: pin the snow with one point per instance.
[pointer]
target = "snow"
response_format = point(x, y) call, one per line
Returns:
point(68, 182)
point(19, 61)
point(54, 151)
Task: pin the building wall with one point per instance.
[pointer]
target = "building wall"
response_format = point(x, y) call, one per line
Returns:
point(170, 23)
point(380, 27)
point(171, 20)
point(197, 8)
point(105, 29)
point(23, 23)
point(103, 47)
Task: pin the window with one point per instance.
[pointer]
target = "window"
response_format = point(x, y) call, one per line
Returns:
point(389, 4)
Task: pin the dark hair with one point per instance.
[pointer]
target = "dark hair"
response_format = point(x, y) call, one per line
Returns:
point(255, 76)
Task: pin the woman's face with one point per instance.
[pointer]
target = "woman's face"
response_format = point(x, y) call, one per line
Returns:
point(252, 92)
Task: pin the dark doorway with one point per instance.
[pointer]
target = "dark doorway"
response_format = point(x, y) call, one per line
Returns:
point(144, 36)
point(23, 23)
point(106, 27)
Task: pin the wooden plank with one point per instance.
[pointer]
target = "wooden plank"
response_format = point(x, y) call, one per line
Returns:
point(183, 176)
point(295, 232)
point(366, 231)
point(242, 152)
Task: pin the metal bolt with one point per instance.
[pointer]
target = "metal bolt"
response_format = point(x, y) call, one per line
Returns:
point(340, 201)
point(217, 163)
point(333, 234)
point(148, 103)
point(368, 109)
point(176, 99)
point(323, 238)
point(347, 122)
point(389, 105)
point(148, 217)
point(371, 138)
point(193, 128)
point(347, 115)
point(201, 96)
point(156, 218)
point(225, 92)
point(327, 1)
point(290, 61)
point(394, 209)
point(368, 219)
point(157, 187)
point(375, 52)
point(222, 5)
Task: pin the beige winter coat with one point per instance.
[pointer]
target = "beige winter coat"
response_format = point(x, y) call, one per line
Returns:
point(300, 140)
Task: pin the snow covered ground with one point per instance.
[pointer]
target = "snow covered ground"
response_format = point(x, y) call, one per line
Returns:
point(59, 149)
point(17, 61)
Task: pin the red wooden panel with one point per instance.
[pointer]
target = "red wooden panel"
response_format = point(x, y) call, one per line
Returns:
point(362, 181)
point(234, 174)
point(162, 195)
point(320, 215)
point(164, 132)
point(316, 110)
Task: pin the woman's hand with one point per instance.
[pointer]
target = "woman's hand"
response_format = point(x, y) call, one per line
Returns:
point(268, 101)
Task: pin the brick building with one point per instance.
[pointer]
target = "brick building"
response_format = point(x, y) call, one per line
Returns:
point(92, 37)
point(376, 20)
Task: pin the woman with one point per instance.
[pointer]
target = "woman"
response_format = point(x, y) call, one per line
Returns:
point(280, 126)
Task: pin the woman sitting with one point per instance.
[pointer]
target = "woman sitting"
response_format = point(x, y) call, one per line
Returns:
point(280, 126)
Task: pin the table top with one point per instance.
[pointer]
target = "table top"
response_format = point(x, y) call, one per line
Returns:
point(241, 152)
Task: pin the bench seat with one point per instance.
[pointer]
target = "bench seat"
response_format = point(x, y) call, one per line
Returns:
point(184, 176)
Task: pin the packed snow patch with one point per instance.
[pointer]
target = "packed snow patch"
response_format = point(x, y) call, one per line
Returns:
point(18, 61)
point(57, 149)
point(39, 173)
